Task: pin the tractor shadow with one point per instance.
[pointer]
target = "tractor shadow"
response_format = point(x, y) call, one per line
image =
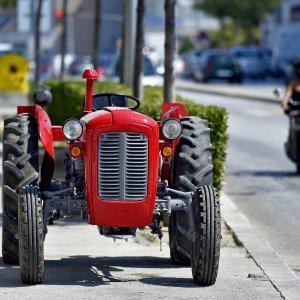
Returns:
point(91, 272)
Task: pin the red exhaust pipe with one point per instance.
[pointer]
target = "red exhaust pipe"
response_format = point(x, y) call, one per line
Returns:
point(90, 76)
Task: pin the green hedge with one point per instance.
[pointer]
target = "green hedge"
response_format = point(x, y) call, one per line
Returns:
point(68, 100)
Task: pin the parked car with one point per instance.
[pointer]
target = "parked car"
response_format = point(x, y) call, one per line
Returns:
point(150, 75)
point(251, 61)
point(191, 62)
point(56, 63)
point(178, 64)
point(217, 64)
point(80, 64)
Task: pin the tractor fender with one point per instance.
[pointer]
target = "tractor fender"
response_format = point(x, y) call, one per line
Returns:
point(45, 131)
point(173, 110)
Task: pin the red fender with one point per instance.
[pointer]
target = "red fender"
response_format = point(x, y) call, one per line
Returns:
point(45, 131)
point(174, 111)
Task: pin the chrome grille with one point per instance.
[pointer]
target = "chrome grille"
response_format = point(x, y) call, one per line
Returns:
point(123, 166)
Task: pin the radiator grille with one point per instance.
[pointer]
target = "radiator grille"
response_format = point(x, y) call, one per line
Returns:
point(123, 166)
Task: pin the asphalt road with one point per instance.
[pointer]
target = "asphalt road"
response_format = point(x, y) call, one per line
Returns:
point(260, 180)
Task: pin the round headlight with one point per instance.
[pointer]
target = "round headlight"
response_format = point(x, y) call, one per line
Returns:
point(172, 129)
point(72, 129)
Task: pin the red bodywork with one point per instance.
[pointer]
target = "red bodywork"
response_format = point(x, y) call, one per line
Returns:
point(119, 213)
point(104, 212)
point(48, 133)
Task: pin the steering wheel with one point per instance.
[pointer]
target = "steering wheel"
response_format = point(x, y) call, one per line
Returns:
point(113, 99)
point(137, 101)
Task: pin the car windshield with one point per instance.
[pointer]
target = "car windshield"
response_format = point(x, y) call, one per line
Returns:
point(147, 67)
point(221, 59)
point(253, 54)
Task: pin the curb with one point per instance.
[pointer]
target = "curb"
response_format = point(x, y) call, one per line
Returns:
point(210, 89)
point(280, 275)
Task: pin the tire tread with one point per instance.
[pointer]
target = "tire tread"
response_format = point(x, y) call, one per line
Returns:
point(20, 167)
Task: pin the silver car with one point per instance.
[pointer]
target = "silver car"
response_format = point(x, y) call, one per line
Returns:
point(251, 61)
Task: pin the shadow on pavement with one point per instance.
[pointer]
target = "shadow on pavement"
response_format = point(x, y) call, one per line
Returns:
point(89, 271)
point(275, 174)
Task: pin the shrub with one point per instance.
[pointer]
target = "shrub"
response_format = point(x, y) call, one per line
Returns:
point(68, 100)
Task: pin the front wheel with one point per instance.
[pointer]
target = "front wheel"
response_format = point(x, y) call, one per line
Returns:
point(206, 242)
point(31, 236)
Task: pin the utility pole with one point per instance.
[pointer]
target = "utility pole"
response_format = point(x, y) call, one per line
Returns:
point(170, 41)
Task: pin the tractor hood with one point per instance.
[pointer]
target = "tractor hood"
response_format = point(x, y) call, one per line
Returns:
point(116, 118)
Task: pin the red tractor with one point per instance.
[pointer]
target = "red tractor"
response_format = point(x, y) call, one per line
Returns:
point(122, 171)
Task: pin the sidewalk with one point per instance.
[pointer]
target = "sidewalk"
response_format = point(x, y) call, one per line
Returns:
point(264, 275)
point(250, 91)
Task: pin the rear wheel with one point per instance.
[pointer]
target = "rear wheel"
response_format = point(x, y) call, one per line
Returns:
point(176, 254)
point(20, 167)
point(31, 236)
point(206, 245)
point(192, 167)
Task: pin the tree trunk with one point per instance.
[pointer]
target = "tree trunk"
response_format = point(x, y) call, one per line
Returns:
point(37, 42)
point(122, 52)
point(63, 39)
point(129, 41)
point(170, 39)
point(138, 63)
point(97, 25)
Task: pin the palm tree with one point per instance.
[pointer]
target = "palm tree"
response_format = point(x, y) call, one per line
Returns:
point(138, 63)
point(170, 38)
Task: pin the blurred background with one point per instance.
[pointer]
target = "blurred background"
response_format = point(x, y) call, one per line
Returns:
point(231, 41)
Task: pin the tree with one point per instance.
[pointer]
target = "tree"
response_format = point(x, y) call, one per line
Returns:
point(8, 3)
point(246, 14)
point(138, 63)
point(63, 45)
point(37, 41)
point(170, 38)
point(97, 24)
point(220, 9)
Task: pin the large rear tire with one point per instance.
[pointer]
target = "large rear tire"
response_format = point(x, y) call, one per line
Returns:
point(20, 167)
point(192, 168)
point(206, 245)
point(31, 236)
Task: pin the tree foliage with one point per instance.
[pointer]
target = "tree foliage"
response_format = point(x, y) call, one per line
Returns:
point(8, 3)
point(242, 12)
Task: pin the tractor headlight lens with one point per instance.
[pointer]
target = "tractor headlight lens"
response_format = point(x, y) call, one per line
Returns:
point(72, 129)
point(172, 129)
